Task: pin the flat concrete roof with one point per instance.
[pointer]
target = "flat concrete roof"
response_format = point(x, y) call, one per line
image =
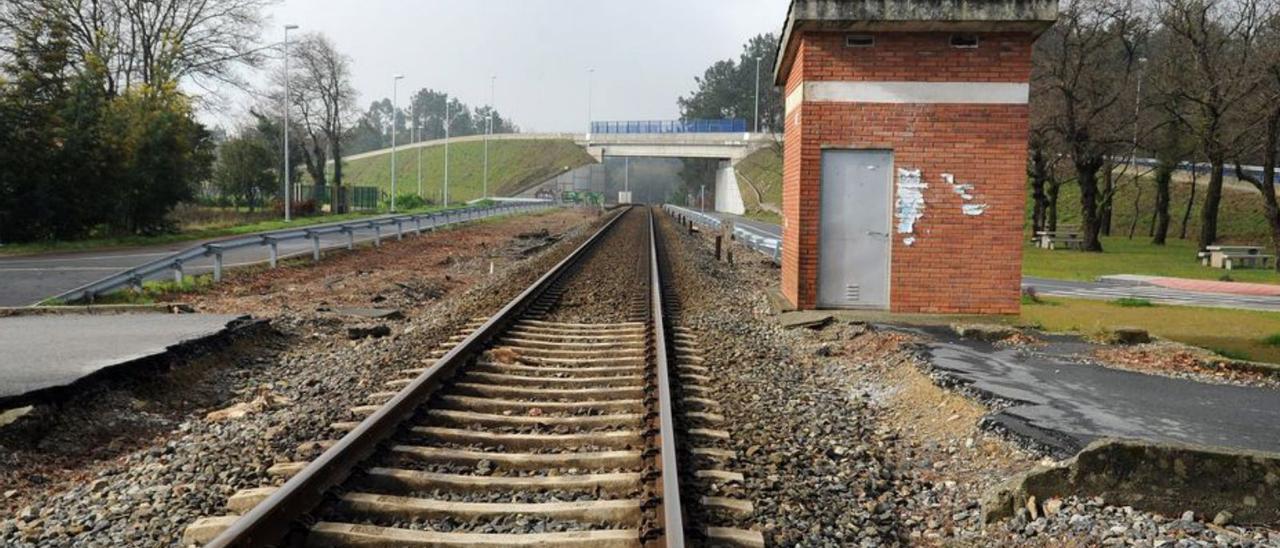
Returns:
point(46, 351)
point(908, 16)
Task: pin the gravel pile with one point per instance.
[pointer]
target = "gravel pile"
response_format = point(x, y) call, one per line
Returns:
point(845, 440)
point(147, 497)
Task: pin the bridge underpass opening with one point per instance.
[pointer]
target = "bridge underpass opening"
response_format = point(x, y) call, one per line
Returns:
point(660, 180)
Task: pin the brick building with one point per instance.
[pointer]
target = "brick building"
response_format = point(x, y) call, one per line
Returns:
point(905, 152)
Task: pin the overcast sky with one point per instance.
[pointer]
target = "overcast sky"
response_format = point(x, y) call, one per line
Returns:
point(645, 52)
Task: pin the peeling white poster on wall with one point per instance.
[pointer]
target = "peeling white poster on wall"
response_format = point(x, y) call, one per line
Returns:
point(965, 191)
point(909, 206)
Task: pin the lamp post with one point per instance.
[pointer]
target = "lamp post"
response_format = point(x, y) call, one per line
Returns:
point(488, 131)
point(395, 111)
point(447, 121)
point(287, 182)
point(590, 73)
point(419, 148)
point(757, 118)
point(1137, 113)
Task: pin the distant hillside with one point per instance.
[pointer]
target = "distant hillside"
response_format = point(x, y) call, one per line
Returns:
point(514, 164)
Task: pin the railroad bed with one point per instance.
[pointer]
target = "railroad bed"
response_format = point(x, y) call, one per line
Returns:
point(551, 423)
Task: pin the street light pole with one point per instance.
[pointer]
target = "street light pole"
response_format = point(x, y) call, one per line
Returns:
point(395, 111)
point(287, 182)
point(447, 121)
point(590, 73)
point(419, 147)
point(488, 131)
point(757, 118)
point(1137, 113)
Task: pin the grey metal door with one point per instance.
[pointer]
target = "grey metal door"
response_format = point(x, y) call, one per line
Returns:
point(853, 238)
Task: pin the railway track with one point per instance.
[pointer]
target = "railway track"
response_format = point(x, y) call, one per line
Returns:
point(551, 423)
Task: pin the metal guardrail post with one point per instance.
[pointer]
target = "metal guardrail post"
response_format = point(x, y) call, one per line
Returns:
point(351, 237)
point(399, 230)
point(177, 271)
point(377, 234)
point(217, 266)
point(275, 250)
point(417, 224)
point(315, 245)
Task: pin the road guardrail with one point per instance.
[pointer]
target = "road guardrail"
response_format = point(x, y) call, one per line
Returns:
point(133, 277)
point(757, 240)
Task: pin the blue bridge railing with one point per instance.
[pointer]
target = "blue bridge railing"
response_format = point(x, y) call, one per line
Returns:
point(735, 125)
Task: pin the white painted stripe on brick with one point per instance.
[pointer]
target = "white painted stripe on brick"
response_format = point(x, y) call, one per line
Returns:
point(998, 93)
point(794, 99)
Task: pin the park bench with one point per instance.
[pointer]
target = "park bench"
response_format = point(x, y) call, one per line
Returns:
point(1063, 238)
point(1235, 256)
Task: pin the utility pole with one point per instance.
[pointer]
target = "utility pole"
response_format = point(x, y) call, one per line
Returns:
point(447, 120)
point(757, 118)
point(287, 182)
point(395, 112)
point(488, 131)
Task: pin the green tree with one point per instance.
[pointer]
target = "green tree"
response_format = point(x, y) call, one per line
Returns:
point(728, 88)
point(246, 170)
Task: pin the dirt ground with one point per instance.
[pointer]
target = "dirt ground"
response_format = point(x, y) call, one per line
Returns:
point(400, 274)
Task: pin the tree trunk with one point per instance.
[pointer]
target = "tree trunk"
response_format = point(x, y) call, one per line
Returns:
point(1090, 218)
point(1160, 226)
point(1051, 216)
point(1191, 202)
point(1137, 209)
point(1108, 191)
point(1209, 212)
point(339, 200)
point(1039, 174)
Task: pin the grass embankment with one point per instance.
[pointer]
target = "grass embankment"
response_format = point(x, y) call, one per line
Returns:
point(761, 172)
point(1237, 334)
point(513, 166)
point(1240, 217)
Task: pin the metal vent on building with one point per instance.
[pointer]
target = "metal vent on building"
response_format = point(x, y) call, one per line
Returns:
point(853, 293)
point(859, 41)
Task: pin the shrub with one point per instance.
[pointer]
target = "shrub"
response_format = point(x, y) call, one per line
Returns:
point(1272, 339)
point(1130, 302)
point(406, 202)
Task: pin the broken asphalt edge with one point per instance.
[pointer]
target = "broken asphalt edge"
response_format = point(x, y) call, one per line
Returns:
point(160, 361)
point(1167, 478)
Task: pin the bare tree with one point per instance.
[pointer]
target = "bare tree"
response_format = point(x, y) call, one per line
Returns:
point(1083, 68)
point(321, 94)
point(1265, 106)
point(1210, 67)
point(152, 41)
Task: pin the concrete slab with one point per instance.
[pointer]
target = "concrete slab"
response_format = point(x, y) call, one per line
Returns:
point(40, 352)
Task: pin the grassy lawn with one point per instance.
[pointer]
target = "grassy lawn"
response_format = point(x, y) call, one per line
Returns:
point(513, 166)
point(1137, 256)
point(184, 235)
point(1240, 334)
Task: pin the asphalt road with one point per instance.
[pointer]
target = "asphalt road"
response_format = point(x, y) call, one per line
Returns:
point(1064, 404)
point(45, 351)
point(27, 280)
point(1100, 291)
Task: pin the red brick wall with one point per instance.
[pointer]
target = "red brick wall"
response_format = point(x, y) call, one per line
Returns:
point(958, 263)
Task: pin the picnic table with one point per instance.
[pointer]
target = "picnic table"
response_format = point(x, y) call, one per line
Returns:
point(1065, 237)
point(1235, 256)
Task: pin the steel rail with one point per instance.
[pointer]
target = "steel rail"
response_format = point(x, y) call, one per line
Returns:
point(271, 520)
point(136, 275)
point(672, 516)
